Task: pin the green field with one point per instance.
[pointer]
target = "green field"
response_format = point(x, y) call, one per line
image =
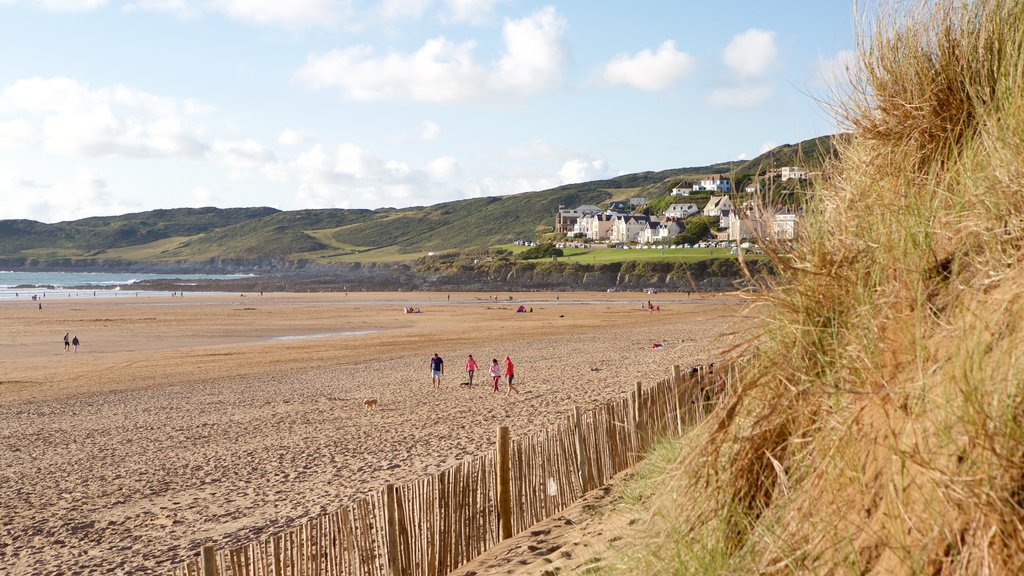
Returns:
point(607, 255)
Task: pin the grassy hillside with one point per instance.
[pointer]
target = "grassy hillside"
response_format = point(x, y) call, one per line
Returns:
point(200, 235)
point(878, 424)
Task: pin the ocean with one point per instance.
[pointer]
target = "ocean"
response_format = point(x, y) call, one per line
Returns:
point(21, 285)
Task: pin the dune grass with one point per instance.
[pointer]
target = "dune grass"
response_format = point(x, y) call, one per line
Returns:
point(880, 427)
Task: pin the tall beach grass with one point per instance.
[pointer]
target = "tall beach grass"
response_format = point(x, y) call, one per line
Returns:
point(881, 428)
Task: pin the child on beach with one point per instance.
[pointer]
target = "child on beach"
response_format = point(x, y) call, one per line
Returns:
point(510, 373)
point(471, 368)
point(495, 371)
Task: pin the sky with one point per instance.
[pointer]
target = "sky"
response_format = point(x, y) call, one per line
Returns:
point(109, 106)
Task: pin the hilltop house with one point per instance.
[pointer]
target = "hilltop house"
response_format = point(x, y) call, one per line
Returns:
point(627, 228)
point(681, 211)
point(565, 220)
point(716, 183)
point(637, 201)
point(618, 205)
point(661, 232)
point(683, 189)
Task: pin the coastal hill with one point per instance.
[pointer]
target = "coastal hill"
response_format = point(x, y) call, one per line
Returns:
point(329, 237)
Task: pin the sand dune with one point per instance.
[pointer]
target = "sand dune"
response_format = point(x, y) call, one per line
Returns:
point(186, 421)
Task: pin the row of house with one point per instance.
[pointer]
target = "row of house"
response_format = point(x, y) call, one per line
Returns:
point(722, 184)
point(715, 183)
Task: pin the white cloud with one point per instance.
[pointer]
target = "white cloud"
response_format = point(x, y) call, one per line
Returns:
point(293, 137)
point(70, 5)
point(429, 130)
point(439, 71)
point(742, 156)
point(581, 170)
point(404, 8)
point(766, 146)
point(76, 119)
point(83, 194)
point(752, 54)
point(835, 72)
point(444, 168)
point(16, 134)
point(283, 13)
point(743, 96)
point(243, 154)
point(650, 70)
point(534, 53)
point(442, 71)
point(471, 11)
point(352, 176)
point(180, 8)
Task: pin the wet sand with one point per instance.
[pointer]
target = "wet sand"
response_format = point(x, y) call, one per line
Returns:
point(222, 418)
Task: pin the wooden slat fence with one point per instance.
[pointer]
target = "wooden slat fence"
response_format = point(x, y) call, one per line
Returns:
point(433, 525)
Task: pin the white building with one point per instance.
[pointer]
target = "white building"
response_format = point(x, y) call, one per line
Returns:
point(595, 226)
point(683, 189)
point(566, 219)
point(637, 201)
point(660, 232)
point(682, 211)
point(792, 173)
point(765, 224)
point(627, 229)
point(716, 183)
point(715, 206)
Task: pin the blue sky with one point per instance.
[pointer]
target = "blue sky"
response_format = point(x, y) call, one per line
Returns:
point(109, 106)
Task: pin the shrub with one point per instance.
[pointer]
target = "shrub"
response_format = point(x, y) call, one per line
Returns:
point(545, 250)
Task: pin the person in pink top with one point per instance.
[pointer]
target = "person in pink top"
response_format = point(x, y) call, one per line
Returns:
point(471, 368)
point(495, 371)
point(510, 373)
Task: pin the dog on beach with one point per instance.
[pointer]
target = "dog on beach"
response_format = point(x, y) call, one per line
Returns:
point(370, 404)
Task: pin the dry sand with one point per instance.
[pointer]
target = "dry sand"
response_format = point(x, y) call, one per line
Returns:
point(186, 421)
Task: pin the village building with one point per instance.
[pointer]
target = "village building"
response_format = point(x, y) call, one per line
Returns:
point(683, 189)
point(626, 229)
point(753, 222)
point(565, 219)
point(595, 227)
point(682, 211)
point(716, 183)
point(792, 173)
point(660, 232)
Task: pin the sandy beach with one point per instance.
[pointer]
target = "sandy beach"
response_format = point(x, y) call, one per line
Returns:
point(222, 418)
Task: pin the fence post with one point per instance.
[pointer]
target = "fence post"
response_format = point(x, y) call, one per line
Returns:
point(209, 556)
point(504, 473)
point(639, 391)
point(677, 379)
point(581, 455)
point(391, 526)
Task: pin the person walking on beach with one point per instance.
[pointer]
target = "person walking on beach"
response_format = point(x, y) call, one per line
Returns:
point(495, 371)
point(67, 343)
point(471, 368)
point(510, 373)
point(436, 370)
point(74, 342)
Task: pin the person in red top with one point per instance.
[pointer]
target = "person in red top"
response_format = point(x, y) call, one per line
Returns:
point(510, 373)
point(471, 368)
